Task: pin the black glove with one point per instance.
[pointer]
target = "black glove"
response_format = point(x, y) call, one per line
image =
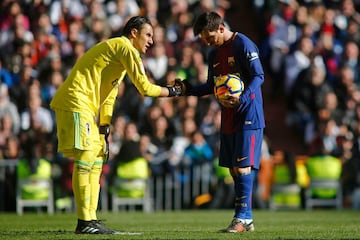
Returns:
point(185, 86)
point(174, 91)
point(105, 132)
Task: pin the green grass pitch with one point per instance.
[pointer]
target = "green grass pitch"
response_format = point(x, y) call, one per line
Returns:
point(190, 224)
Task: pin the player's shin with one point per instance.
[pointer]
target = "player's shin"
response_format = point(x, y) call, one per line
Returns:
point(95, 187)
point(249, 215)
point(81, 189)
point(243, 188)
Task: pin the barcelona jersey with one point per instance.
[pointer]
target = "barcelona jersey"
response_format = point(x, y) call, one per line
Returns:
point(238, 56)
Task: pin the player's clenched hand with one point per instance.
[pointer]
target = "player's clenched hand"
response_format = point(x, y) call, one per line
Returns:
point(179, 87)
point(175, 88)
point(185, 86)
point(229, 101)
point(104, 135)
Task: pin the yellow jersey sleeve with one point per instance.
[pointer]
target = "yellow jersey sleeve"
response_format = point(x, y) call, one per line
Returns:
point(94, 80)
point(131, 60)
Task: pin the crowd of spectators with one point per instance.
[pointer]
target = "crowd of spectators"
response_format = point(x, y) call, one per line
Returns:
point(41, 40)
point(310, 49)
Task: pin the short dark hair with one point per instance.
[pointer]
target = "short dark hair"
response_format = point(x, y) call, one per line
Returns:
point(135, 22)
point(207, 21)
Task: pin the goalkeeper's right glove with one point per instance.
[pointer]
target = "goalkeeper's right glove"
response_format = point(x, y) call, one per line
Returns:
point(174, 91)
point(185, 86)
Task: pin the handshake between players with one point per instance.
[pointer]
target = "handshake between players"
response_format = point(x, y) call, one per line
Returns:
point(179, 88)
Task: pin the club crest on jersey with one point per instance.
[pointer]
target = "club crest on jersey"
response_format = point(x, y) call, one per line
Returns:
point(231, 61)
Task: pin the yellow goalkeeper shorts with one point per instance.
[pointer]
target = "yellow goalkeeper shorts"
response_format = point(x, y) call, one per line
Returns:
point(76, 131)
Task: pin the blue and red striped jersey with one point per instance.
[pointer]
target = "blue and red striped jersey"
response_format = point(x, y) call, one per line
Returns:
point(239, 55)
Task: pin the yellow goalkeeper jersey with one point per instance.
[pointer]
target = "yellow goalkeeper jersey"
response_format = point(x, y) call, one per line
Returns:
point(92, 84)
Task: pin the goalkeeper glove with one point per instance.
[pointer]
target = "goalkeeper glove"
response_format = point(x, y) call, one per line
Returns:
point(104, 130)
point(174, 91)
point(185, 86)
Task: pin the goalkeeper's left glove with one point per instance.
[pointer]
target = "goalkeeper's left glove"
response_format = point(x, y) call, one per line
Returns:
point(104, 131)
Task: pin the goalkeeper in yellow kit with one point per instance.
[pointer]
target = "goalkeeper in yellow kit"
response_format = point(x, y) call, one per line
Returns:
point(83, 107)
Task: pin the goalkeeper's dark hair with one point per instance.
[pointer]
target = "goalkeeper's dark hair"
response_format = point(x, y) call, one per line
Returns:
point(136, 22)
point(209, 21)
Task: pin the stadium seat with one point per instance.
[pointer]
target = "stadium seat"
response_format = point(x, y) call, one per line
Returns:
point(289, 179)
point(284, 193)
point(130, 187)
point(324, 189)
point(34, 189)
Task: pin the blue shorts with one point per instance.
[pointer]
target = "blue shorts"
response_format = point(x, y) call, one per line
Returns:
point(241, 149)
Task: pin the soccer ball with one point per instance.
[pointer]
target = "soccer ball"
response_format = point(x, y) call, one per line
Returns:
point(230, 84)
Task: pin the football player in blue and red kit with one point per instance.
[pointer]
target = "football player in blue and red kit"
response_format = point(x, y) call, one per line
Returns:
point(242, 118)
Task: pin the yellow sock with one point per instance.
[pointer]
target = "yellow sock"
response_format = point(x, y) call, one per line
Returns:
point(81, 189)
point(95, 187)
point(82, 184)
